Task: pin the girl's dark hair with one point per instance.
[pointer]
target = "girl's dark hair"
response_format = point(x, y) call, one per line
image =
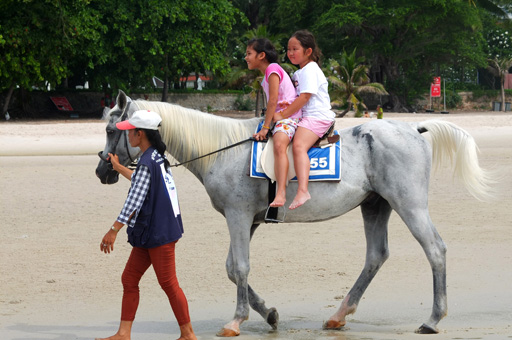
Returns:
point(264, 45)
point(307, 40)
point(156, 141)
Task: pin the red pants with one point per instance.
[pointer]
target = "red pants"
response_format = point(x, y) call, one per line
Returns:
point(162, 259)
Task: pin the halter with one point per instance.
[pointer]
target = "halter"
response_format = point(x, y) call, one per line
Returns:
point(116, 141)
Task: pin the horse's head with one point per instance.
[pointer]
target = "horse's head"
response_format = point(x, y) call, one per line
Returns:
point(117, 140)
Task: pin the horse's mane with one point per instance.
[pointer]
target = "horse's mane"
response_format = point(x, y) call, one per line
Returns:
point(190, 133)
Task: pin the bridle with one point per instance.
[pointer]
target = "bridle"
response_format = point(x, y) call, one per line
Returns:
point(116, 141)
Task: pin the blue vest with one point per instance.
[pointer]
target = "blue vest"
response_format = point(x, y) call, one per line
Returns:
point(156, 224)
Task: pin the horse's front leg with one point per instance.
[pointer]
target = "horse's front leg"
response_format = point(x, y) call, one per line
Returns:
point(270, 315)
point(238, 268)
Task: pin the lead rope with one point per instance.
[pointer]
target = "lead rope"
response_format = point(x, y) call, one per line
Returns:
point(211, 153)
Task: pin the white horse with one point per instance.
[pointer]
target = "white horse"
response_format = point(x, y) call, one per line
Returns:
point(385, 166)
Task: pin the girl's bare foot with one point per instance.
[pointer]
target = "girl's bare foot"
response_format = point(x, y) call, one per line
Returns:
point(300, 199)
point(279, 201)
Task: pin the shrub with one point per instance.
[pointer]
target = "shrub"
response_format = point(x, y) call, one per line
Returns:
point(453, 99)
point(243, 104)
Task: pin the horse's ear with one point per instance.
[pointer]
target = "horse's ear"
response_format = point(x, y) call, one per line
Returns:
point(121, 100)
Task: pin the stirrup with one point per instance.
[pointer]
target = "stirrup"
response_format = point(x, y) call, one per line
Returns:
point(276, 219)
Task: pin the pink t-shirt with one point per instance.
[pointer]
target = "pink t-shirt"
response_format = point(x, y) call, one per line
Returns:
point(286, 93)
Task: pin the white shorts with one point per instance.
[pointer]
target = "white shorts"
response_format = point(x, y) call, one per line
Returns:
point(287, 126)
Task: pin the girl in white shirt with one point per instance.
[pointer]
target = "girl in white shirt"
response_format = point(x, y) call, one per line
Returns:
point(313, 98)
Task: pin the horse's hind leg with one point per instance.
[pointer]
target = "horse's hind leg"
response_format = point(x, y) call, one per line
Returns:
point(419, 223)
point(376, 214)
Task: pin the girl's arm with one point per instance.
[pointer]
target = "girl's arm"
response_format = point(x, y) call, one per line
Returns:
point(273, 91)
point(297, 104)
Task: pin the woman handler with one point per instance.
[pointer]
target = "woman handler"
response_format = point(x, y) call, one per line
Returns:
point(152, 215)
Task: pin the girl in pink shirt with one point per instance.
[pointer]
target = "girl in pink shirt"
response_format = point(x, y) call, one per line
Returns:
point(280, 93)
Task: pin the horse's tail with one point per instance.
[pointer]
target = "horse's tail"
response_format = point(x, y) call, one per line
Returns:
point(454, 144)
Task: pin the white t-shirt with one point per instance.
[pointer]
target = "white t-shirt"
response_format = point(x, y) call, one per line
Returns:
point(311, 79)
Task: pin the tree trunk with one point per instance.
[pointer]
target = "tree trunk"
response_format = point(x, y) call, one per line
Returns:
point(341, 115)
point(257, 106)
point(165, 90)
point(195, 81)
point(8, 99)
point(392, 73)
point(502, 81)
point(25, 104)
point(397, 104)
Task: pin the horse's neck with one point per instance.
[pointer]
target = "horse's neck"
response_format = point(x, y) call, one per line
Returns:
point(189, 134)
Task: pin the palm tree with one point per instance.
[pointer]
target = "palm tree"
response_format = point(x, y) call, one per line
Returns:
point(499, 67)
point(349, 79)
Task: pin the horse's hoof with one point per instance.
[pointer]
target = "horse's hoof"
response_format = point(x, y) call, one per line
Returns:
point(273, 318)
point(425, 329)
point(333, 325)
point(226, 333)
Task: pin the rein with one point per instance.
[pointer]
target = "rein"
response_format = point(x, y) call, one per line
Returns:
point(214, 152)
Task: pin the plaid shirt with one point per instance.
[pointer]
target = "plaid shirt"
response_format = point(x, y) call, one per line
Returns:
point(141, 180)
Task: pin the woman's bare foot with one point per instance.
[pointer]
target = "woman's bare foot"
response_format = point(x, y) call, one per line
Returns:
point(187, 333)
point(123, 333)
point(279, 201)
point(300, 199)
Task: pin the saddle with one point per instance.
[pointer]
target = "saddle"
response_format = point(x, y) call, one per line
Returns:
point(328, 139)
point(267, 156)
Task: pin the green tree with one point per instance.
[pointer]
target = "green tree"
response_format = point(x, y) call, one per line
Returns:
point(349, 79)
point(407, 42)
point(258, 12)
point(169, 39)
point(39, 39)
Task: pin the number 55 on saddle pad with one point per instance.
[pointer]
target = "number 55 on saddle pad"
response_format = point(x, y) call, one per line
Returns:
point(325, 162)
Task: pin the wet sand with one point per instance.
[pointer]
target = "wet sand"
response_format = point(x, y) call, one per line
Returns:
point(55, 283)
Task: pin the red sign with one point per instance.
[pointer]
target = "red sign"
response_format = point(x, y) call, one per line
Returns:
point(435, 87)
point(62, 103)
point(435, 90)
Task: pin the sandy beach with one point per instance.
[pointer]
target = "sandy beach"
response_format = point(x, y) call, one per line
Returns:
point(56, 284)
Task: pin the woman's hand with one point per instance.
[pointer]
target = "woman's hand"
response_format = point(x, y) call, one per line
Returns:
point(114, 159)
point(107, 243)
point(261, 135)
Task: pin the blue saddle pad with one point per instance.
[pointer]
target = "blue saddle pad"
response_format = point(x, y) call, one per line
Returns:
point(325, 162)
